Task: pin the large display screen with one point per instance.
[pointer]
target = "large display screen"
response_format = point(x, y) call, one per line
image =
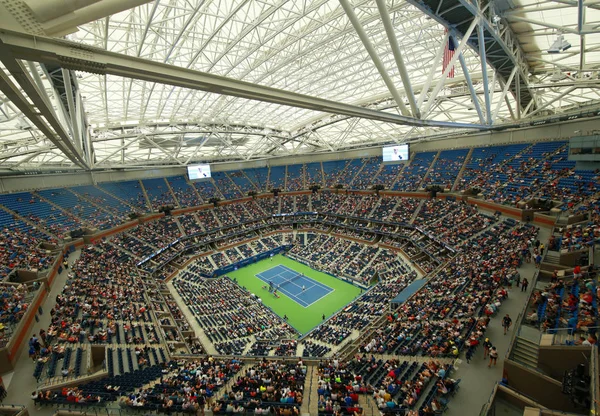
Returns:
point(399, 153)
point(198, 172)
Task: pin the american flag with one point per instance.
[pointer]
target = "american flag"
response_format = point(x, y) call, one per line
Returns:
point(448, 54)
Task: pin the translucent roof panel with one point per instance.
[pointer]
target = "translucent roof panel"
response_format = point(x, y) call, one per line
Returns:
point(307, 47)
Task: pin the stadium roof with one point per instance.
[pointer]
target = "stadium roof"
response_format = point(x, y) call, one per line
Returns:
point(169, 82)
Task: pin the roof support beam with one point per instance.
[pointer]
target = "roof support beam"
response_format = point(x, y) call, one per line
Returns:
point(432, 70)
point(504, 92)
point(389, 30)
point(486, 85)
point(44, 113)
point(552, 101)
point(467, 74)
point(39, 120)
point(71, 105)
point(360, 31)
point(79, 57)
point(457, 53)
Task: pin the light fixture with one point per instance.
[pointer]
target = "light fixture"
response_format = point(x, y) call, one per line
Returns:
point(559, 45)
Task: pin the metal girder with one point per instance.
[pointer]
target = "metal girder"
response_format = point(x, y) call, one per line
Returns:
point(389, 29)
point(442, 80)
point(44, 118)
point(486, 84)
point(39, 120)
point(469, 82)
point(502, 48)
point(360, 31)
point(71, 55)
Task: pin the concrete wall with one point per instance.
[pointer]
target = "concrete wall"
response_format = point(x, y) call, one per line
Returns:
point(540, 388)
point(555, 360)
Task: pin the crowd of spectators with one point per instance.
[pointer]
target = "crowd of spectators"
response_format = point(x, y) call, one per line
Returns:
point(226, 312)
point(444, 312)
point(14, 301)
point(186, 386)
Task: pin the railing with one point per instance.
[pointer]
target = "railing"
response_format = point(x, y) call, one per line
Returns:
point(569, 331)
point(594, 385)
point(513, 339)
point(486, 408)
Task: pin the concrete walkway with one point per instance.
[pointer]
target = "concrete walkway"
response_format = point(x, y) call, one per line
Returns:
point(22, 383)
point(477, 380)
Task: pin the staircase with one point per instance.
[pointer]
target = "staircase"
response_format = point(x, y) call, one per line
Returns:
point(400, 172)
point(525, 352)
point(194, 190)
point(256, 188)
point(179, 226)
point(310, 404)
point(172, 193)
point(552, 257)
point(115, 197)
point(148, 204)
point(416, 213)
point(429, 169)
point(40, 227)
point(357, 175)
point(322, 181)
point(462, 169)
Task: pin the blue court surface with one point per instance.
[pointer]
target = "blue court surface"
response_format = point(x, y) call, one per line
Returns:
point(294, 285)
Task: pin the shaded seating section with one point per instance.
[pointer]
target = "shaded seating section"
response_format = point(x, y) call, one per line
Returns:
point(346, 176)
point(573, 188)
point(226, 187)
point(81, 208)
point(528, 172)
point(396, 386)
point(99, 392)
point(157, 233)
point(258, 177)
point(103, 199)
point(158, 193)
point(185, 194)
point(128, 191)
point(14, 301)
point(276, 178)
point(331, 170)
point(388, 175)
point(206, 189)
point(370, 168)
point(102, 302)
point(576, 237)
point(413, 174)
point(41, 213)
point(314, 174)
point(446, 168)
point(239, 178)
point(563, 305)
point(20, 247)
point(295, 177)
point(486, 163)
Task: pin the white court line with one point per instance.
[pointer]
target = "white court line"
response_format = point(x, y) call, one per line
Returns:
point(321, 285)
point(296, 299)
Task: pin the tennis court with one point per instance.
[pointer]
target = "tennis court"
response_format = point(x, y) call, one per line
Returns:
point(296, 286)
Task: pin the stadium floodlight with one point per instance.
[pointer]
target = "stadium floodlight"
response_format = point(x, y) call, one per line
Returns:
point(559, 45)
